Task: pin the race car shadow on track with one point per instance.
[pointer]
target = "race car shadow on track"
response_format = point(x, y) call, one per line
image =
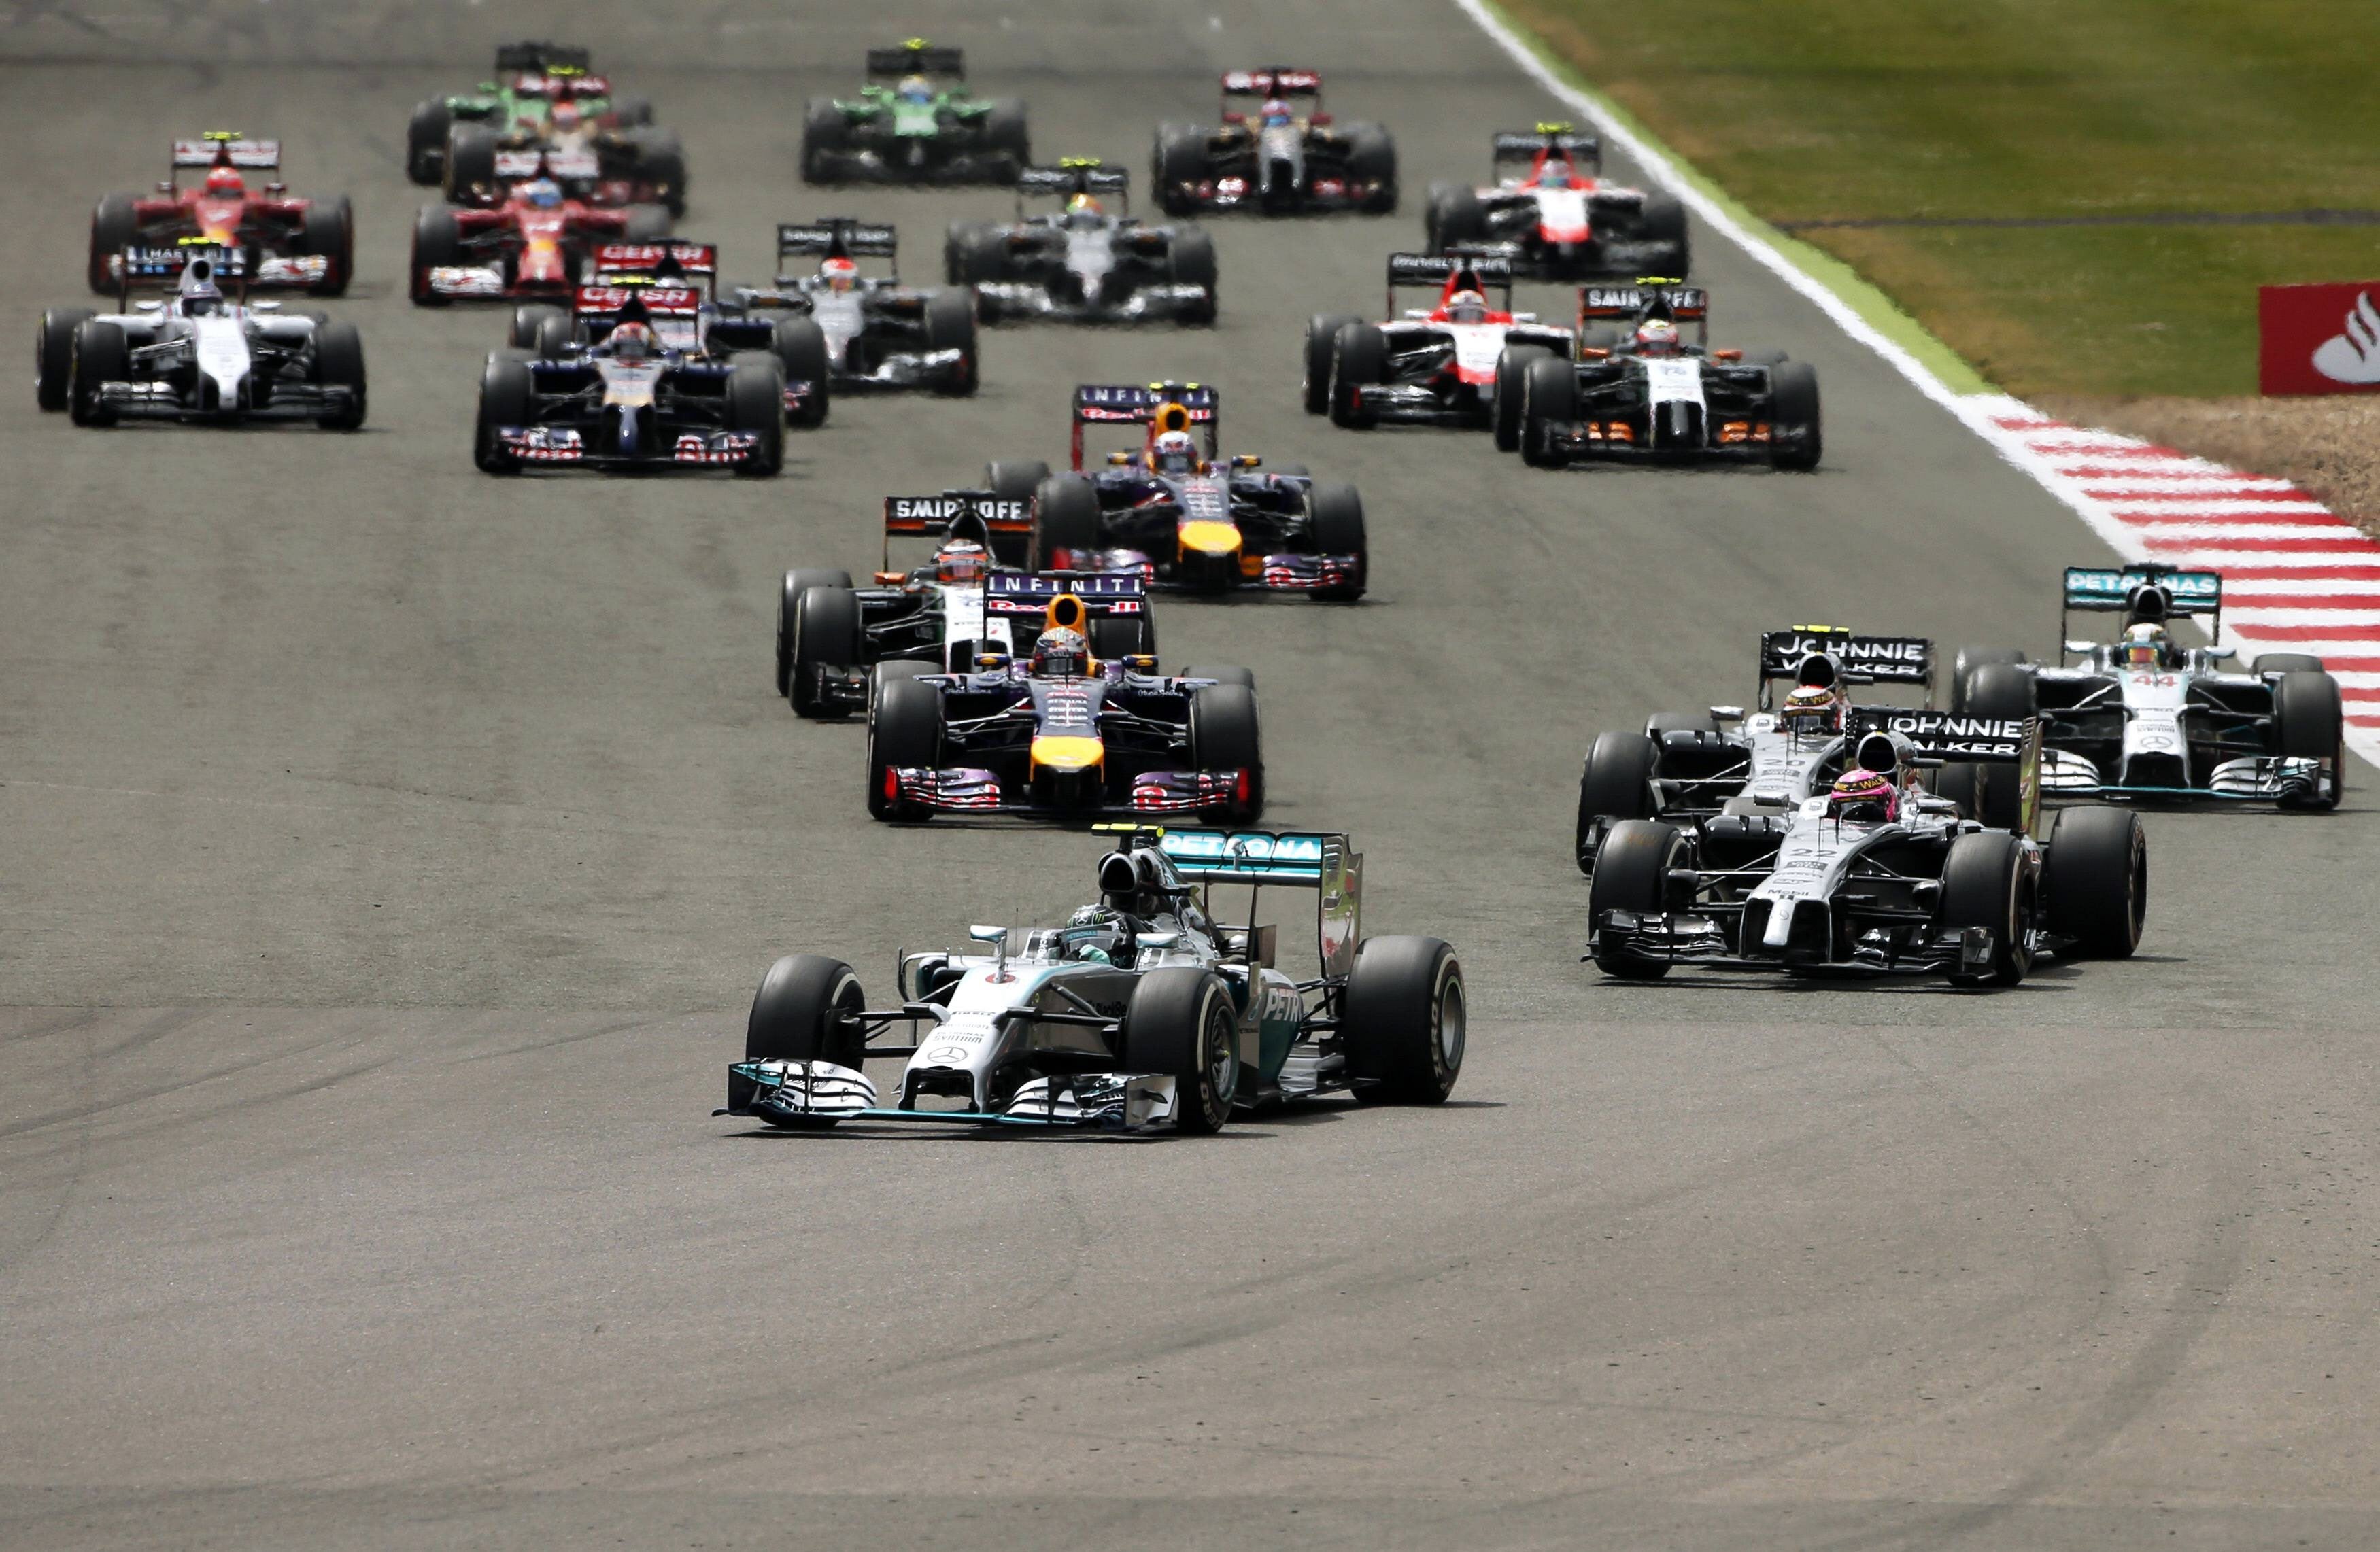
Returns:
point(1324, 1111)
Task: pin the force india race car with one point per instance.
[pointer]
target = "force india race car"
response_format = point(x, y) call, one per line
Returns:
point(1651, 398)
point(1277, 160)
point(915, 121)
point(1459, 363)
point(2146, 718)
point(1083, 265)
point(875, 334)
point(1876, 876)
point(534, 243)
point(1686, 767)
point(544, 99)
point(1180, 518)
point(647, 395)
point(1061, 734)
point(1558, 222)
point(943, 616)
point(282, 239)
point(1141, 1010)
point(198, 355)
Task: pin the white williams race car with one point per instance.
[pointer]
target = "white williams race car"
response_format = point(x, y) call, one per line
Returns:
point(1142, 1010)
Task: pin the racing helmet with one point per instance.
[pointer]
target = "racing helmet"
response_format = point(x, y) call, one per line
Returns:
point(225, 183)
point(632, 341)
point(2144, 645)
point(1555, 174)
point(565, 117)
point(1095, 933)
point(961, 560)
point(1061, 654)
point(915, 88)
point(1174, 453)
point(197, 293)
point(1275, 113)
point(839, 274)
point(545, 193)
point(1863, 796)
point(1084, 211)
point(1466, 307)
point(1816, 702)
point(1657, 336)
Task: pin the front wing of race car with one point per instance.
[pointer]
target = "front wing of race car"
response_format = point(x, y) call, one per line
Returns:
point(1695, 938)
point(2278, 779)
point(899, 372)
point(975, 790)
point(570, 446)
point(1005, 299)
point(781, 1091)
point(920, 161)
point(483, 282)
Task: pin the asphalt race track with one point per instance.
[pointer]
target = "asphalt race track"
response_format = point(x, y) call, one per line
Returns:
point(387, 853)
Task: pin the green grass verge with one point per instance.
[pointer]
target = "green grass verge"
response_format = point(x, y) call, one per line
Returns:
point(1820, 110)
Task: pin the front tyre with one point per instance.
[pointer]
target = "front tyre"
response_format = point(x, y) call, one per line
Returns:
point(1505, 399)
point(1321, 337)
point(53, 355)
point(339, 363)
point(802, 1011)
point(2095, 880)
point(1403, 1021)
point(1180, 1024)
point(504, 397)
point(1986, 883)
point(905, 732)
point(1224, 735)
point(1632, 874)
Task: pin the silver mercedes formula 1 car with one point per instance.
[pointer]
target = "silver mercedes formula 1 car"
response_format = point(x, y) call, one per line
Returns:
point(1143, 1009)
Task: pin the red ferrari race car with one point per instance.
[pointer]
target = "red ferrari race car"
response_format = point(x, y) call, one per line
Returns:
point(1456, 364)
point(286, 240)
point(1562, 220)
point(533, 243)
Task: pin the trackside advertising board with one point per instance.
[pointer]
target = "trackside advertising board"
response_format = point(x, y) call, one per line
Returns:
point(2319, 339)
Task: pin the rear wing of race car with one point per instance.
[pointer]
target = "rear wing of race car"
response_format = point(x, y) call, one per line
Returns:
point(1167, 406)
point(976, 515)
point(1484, 270)
point(1322, 861)
point(1272, 80)
point(1647, 298)
point(148, 267)
point(1857, 659)
point(1546, 139)
point(837, 237)
point(1070, 176)
point(1038, 594)
point(224, 148)
point(655, 263)
point(608, 302)
point(564, 83)
point(915, 57)
point(520, 163)
point(2151, 588)
point(1948, 737)
point(541, 56)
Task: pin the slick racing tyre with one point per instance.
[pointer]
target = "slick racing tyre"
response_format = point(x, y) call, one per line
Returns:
point(114, 227)
point(2094, 881)
point(1006, 133)
point(1179, 158)
point(1223, 675)
point(1970, 659)
point(330, 233)
point(1990, 794)
point(648, 224)
point(800, 344)
point(504, 396)
point(1335, 520)
point(339, 363)
point(1505, 398)
point(1224, 737)
point(437, 244)
point(1180, 1024)
point(1795, 441)
point(826, 136)
point(101, 356)
point(1372, 158)
point(470, 163)
point(1632, 874)
point(1013, 479)
point(825, 635)
point(425, 142)
point(1121, 636)
point(53, 355)
point(1663, 220)
point(974, 253)
point(1549, 401)
point(2286, 663)
point(1403, 1021)
point(1986, 883)
point(1617, 784)
point(1455, 218)
point(1193, 262)
point(528, 319)
point(797, 582)
point(905, 732)
point(1322, 340)
point(950, 325)
point(756, 402)
point(803, 1012)
point(1359, 359)
point(1065, 519)
point(2307, 723)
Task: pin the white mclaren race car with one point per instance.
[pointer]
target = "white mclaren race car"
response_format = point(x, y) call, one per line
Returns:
point(1141, 1010)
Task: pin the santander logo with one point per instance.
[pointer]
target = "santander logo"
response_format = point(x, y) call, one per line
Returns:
point(2354, 356)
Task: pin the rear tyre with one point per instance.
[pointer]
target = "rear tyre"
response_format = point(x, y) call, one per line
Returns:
point(1335, 522)
point(504, 397)
point(1403, 1021)
point(1224, 737)
point(803, 1012)
point(1616, 785)
point(1632, 874)
point(1179, 158)
point(1372, 158)
point(825, 137)
point(555, 338)
point(1795, 441)
point(2095, 880)
point(1972, 657)
point(1455, 218)
point(1548, 401)
point(2307, 723)
point(1180, 1024)
point(425, 142)
point(1321, 338)
point(1359, 358)
point(1505, 399)
point(799, 581)
point(339, 363)
point(470, 163)
point(2286, 662)
point(1986, 883)
point(114, 228)
point(1005, 132)
point(1065, 518)
point(1193, 262)
point(905, 732)
point(1663, 220)
point(437, 244)
point(756, 402)
point(647, 223)
point(800, 344)
point(1013, 479)
point(101, 355)
point(330, 233)
point(950, 325)
point(528, 319)
point(53, 355)
point(825, 634)
point(972, 253)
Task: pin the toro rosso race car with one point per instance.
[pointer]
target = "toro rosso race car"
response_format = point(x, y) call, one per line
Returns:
point(544, 99)
point(1142, 1010)
point(1183, 516)
point(1875, 876)
point(941, 617)
point(1058, 734)
point(650, 393)
point(533, 243)
point(1084, 264)
point(1649, 397)
point(197, 356)
point(1456, 364)
point(1559, 221)
point(874, 333)
point(1684, 767)
point(282, 239)
point(915, 121)
point(2146, 718)
point(1287, 157)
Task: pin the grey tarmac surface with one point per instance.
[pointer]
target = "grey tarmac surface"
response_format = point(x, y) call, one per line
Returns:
point(389, 852)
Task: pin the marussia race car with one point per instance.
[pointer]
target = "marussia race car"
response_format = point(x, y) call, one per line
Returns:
point(1653, 398)
point(875, 334)
point(943, 616)
point(2146, 718)
point(1876, 876)
point(1142, 1010)
point(673, 276)
point(1202, 523)
point(198, 357)
point(1686, 767)
point(544, 99)
point(534, 243)
point(1558, 222)
point(1063, 735)
point(1277, 160)
point(1459, 363)
point(1083, 265)
point(282, 239)
point(915, 121)
point(633, 399)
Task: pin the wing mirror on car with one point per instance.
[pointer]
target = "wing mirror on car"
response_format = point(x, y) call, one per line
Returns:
point(997, 938)
point(164, 186)
point(149, 307)
point(1320, 120)
point(1594, 353)
point(264, 306)
point(1156, 941)
point(1727, 354)
point(1118, 460)
point(1246, 460)
point(1727, 713)
point(1524, 318)
point(2219, 654)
